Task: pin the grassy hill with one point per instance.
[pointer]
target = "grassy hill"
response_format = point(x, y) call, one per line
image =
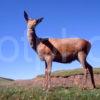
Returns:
point(56, 93)
point(4, 81)
point(65, 73)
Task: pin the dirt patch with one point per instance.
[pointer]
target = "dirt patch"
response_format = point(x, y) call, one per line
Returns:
point(69, 81)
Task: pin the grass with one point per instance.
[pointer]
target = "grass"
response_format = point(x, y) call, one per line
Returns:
point(65, 73)
point(59, 93)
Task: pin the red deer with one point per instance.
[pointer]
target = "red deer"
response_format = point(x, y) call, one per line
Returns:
point(58, 50)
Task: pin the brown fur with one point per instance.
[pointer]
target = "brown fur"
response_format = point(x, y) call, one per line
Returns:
point(59, 50)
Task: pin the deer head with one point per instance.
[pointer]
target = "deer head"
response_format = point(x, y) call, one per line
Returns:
point(32, 23)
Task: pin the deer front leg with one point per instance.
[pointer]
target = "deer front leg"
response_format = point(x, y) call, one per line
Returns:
point(45, 83)
point(48, 63)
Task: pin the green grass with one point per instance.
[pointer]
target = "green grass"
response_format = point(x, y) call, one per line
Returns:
point(59, 93)
point(65, 73)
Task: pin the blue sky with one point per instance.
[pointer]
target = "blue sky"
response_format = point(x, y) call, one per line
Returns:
point(62, 19)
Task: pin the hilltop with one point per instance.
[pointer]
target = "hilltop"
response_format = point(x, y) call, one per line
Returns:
point(64, 83)
point(5, 81)
point(65, 78)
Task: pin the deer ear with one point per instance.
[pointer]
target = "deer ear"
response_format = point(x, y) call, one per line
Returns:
point(40, 20)
point(26, 16)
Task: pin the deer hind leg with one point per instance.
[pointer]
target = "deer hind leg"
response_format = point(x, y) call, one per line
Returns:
point(82, 60)
point(90, 69)
point(48, 63)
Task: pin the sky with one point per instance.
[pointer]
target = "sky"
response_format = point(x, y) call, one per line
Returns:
point(62, 19)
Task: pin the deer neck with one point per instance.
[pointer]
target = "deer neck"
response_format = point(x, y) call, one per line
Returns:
point(32, 37)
